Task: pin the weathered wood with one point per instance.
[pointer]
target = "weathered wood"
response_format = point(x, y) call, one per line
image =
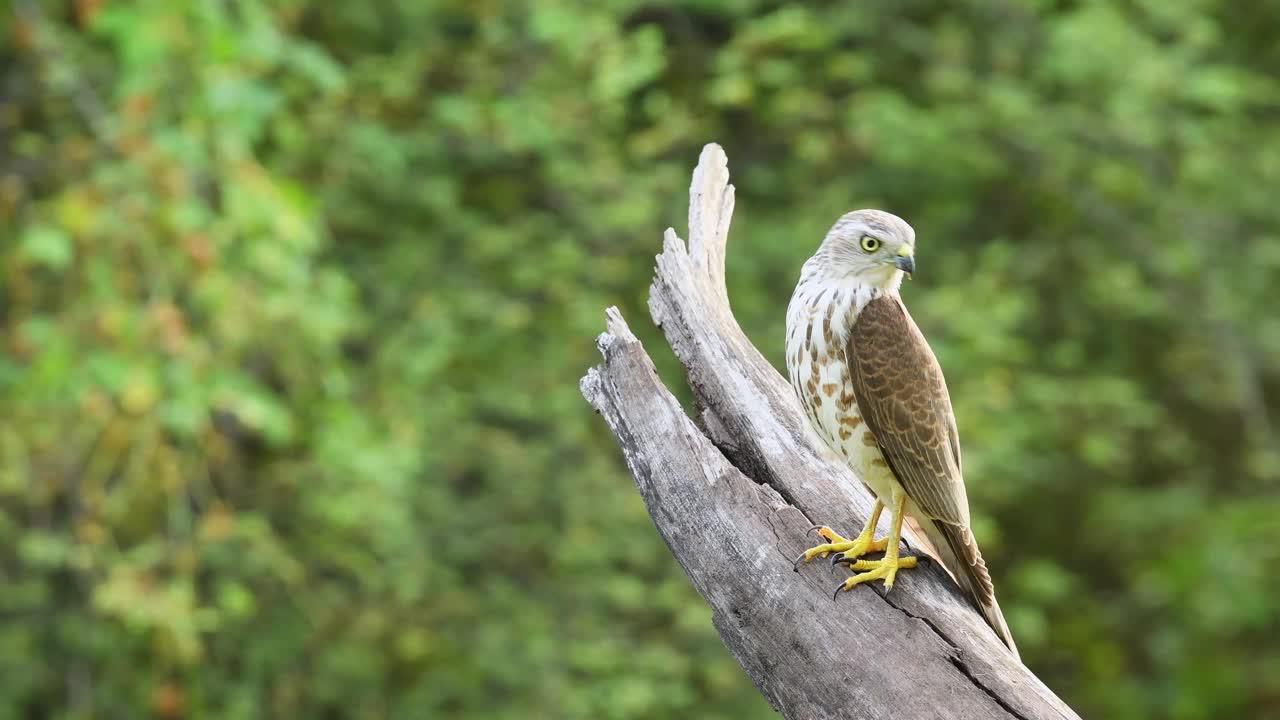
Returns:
point(734, 497)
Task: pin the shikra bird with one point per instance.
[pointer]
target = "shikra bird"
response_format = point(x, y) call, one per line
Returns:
point(873, 390)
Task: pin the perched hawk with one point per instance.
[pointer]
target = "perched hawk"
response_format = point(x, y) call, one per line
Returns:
point(874, 392)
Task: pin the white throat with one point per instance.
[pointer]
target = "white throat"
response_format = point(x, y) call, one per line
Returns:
point(819, 274)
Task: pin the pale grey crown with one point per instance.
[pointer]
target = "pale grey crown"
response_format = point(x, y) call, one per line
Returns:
point(873, 246)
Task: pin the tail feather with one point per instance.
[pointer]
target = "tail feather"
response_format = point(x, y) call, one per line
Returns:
point(959, 553)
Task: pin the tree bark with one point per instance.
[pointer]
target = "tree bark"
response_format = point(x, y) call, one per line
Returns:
point(734, 498)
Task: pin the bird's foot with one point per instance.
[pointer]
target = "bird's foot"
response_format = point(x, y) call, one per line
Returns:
point(869, 570)
point(842, 548)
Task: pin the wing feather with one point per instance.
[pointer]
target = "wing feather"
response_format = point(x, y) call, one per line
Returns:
point(903, 398)
point(901, 393)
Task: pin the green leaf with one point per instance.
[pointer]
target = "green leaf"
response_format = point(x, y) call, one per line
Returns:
point(48, 246)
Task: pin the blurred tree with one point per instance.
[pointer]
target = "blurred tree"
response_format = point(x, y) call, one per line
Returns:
point(294, 297)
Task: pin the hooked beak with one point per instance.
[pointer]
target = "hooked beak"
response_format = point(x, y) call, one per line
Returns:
point(906, 261)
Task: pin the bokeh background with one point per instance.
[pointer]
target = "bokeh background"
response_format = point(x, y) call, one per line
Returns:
point(295, 296)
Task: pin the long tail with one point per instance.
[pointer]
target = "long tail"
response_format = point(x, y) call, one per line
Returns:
point(959, 553)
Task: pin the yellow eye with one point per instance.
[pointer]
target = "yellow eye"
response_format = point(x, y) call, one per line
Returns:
point(870, 244)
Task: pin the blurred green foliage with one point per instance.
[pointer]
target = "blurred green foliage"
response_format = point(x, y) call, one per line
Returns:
point(294, 297)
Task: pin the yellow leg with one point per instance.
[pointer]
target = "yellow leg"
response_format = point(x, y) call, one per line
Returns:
point(845, 547)
point(886, 569)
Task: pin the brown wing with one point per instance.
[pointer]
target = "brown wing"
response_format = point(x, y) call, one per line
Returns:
point(903, 398)
point(900, 392)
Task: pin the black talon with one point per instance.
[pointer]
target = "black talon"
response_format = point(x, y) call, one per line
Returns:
point(836, 558)
point(815, 527)
point(836, 594)
point(845, 560)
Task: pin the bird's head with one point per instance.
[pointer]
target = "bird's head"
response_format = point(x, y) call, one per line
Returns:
point(871, 247)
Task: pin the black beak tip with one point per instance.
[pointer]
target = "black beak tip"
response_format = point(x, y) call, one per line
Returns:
point(906, 264)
